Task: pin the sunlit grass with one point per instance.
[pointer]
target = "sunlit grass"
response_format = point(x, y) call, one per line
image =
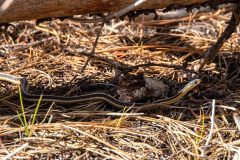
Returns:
point(122, 118)
point(23, 118)
point(201, 134)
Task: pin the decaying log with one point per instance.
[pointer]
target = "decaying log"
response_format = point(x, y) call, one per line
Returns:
point(16, 10)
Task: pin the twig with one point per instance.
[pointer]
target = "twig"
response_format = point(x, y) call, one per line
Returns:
point(91, 54)
point(125, 10)
point(213, 51)
point(237, 120)
point(115, 15)
point(178, 67)
point(19, 47)
point(93, 49)
point(87, 53)
point(16, 151)
point(211, 130)
point(125, 68)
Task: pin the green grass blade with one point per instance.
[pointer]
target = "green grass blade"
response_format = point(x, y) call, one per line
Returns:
point(23, 111)
point(20, 118)
point(35, 114)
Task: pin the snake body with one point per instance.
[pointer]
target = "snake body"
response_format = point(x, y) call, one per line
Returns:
point(23, 82)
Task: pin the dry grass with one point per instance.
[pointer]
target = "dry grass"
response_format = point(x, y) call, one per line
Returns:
point(48, 55)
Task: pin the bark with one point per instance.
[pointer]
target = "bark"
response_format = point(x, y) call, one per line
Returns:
point(39, 9)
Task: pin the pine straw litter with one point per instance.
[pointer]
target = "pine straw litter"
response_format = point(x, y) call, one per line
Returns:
point(52, 54)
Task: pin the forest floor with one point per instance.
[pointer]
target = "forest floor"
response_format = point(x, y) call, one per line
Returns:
point(129, 57)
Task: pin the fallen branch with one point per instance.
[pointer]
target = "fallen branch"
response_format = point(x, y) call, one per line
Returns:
point(16, 10)
point(232, 24)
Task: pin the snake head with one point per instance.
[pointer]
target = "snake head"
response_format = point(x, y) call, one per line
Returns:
point(192, 84)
